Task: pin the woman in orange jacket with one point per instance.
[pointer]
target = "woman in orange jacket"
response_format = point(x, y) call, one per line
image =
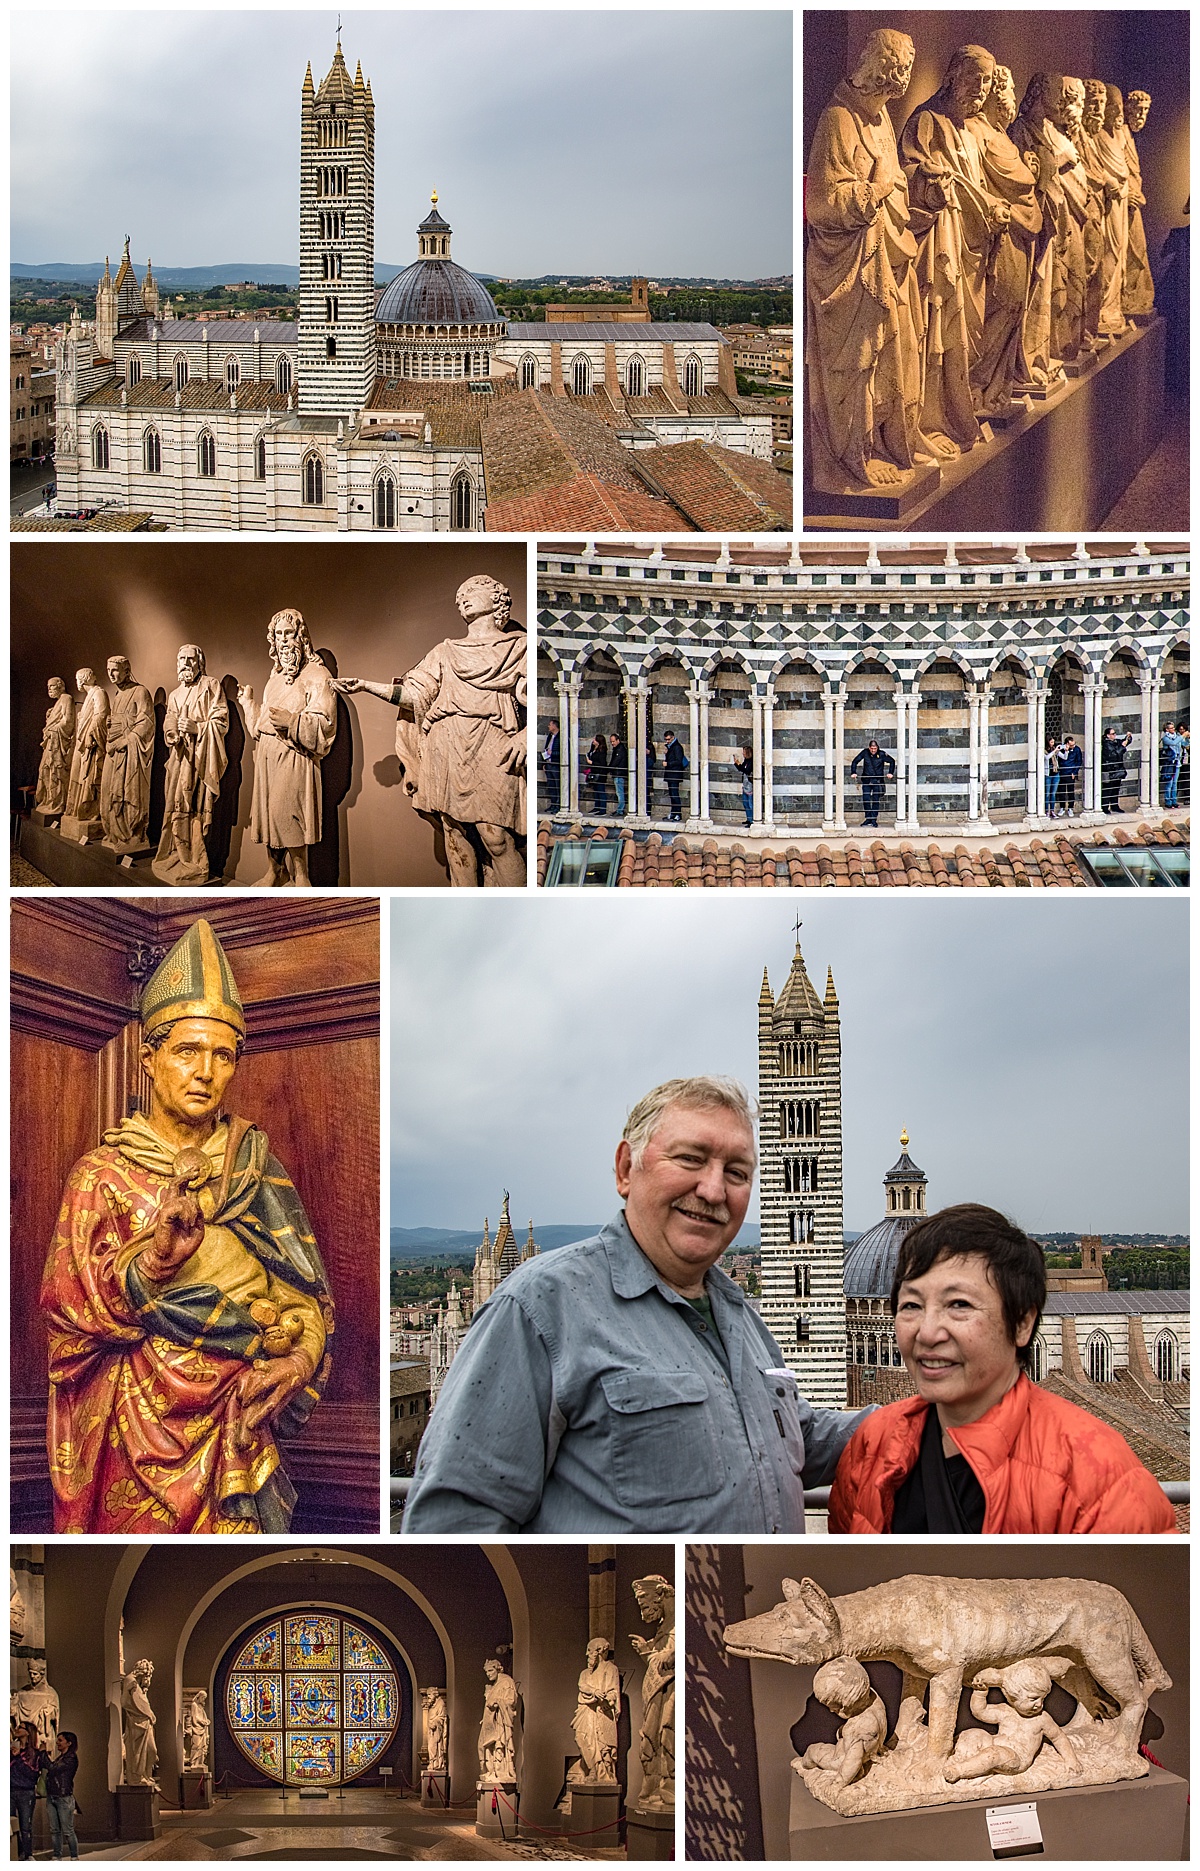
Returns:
point(981, 1448)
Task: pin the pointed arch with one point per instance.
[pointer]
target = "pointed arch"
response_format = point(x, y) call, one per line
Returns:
point(99, 446)
point(152, 451)
point(180, 371)
point(383, 502)
point(312, 480)
point(529, 371)
point(635, 374)
point(693, 375)
point(206, 454)
point(581, 376)
point(233, 375)
point(283, 375)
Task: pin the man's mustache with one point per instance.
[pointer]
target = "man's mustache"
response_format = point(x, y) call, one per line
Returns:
point(704, 1211)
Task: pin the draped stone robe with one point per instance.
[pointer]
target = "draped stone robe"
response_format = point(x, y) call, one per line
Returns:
point(54, 769)
point(125, 781)
point(1137, 299)
point(1000, 365)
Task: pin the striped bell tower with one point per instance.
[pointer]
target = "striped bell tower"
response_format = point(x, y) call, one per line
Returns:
point(335, 350)
point(800, 1180)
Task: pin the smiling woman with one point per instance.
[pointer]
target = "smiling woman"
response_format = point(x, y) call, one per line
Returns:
point(980, 1448)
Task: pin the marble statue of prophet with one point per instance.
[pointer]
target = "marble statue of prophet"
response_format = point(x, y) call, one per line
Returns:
point(864, 315)
point(128, 750)
point(1000, 367)
point(137, 1726)
point(463, 750)
point(188, 1311)
point(58, 740)
point(196, 723)
point(1138, 299)
point(87, 761)
point(497, 1730)
point(293, 731)
point(1066, 100)
point(595, 1719)
point(1108, 229)
point(956, 217)
point(656, 1603)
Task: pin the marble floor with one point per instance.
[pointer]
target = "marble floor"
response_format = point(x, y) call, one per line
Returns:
point(254, 1825)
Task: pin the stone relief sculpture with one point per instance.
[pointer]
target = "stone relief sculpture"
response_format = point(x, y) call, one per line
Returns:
point(197, 1731)
point(17, 1613)
point(656, 1602)
point(81, 815)
point(137, 1727)
point(433, 1702)
point(864, 309)
point(497, 1730)
point(58, 742)
point(184, 1273)
point(460, 738)
point(1138, 297)
point(595, 1719)
point(196, 723)
point(128, 751)
point(1008, 1638)
point(37, 1705)
point(293, 730)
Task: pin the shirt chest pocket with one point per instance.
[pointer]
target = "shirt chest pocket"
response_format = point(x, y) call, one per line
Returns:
point(661, 1437)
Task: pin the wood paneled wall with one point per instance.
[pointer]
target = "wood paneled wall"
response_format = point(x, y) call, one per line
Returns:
point(308, 973)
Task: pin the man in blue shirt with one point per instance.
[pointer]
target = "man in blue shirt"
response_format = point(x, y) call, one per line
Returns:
point(624, 1384)
point(1172, 759)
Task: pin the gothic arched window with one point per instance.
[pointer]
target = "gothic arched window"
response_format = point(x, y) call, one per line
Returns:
point(260, 458)
point(181, 372)
point(152, 452)
point(283, 375)
point(100, 446)
point(693, 376)
point(462, 504)
point(385, 502)
point(635, 376)
point(529, 372)
point(1099, 1359)
point(233, 373)
point(206, 455)
point(314, 481)
point(1166, 1358)
point(133, 371)
point(312, 1699)
point(581, 377)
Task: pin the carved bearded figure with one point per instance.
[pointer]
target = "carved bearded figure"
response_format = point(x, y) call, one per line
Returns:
point(656, 1602)
point(36, 1706)
point(58, 740)
point(436, 1729)
point(128, 750)
point(1138, 300)
point(1000, 366)
point(137, 1726)
point(956, 217)
point(595, 1719)
point(87, 760)
point(497, 1730)
point(293, 731)
point(197, 721)
point(1107, 234)
point(863, 305)
point(461, 737)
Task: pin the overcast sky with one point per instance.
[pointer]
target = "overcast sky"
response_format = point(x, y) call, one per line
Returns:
point(1033, 1044)
point(624, 141)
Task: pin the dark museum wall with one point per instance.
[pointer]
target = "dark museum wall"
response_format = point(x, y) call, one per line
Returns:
point(1145, 50)
point(308, 972)
point(376, 607)
point(183, 1607)
point(1153, 1576)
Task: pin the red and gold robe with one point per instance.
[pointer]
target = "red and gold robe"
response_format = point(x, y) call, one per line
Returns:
point(145, 1422)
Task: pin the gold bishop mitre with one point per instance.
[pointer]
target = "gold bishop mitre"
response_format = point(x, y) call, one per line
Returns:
point(193, 982)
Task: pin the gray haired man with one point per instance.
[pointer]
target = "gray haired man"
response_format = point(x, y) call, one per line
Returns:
point(624, 1384)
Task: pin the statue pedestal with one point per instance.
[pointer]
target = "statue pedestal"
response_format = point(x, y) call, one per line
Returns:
point(80, 831)
point(44, 818)
point(140, 848)
point(1132, 1819)
point(895, 504)
point(649, 1835)
point(137, 1813)
point(88, 866)
point(595, 1814)
point(502, 1822)
point(435, 1790)
point(1057, 467)
point(195, 1789)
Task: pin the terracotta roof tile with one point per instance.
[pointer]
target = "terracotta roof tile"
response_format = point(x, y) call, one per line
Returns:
point(718, 489)
point(654, 860)
point(159, 393)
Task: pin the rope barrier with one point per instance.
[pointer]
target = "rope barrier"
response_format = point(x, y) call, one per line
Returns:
point(548, 1831)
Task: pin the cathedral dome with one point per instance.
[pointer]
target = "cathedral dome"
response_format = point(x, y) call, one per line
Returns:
point(870, 1265)
point(436, 292)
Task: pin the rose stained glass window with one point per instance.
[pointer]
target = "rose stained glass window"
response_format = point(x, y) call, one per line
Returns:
point(312, 1699)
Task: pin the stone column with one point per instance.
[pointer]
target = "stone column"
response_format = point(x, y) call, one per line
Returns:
point(901, 760)
point(572, 744)
point(630, 738)
point(914, 812)
point(1147, 762)
point(564, 730)
point(638, 790)
point(985, 706)
point(701, 754)
point(1032, 803)
point(768, 734)
point(972, 756)
point(694, 751)
point(839, 762)
point(830, 757)
point(756, 749)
